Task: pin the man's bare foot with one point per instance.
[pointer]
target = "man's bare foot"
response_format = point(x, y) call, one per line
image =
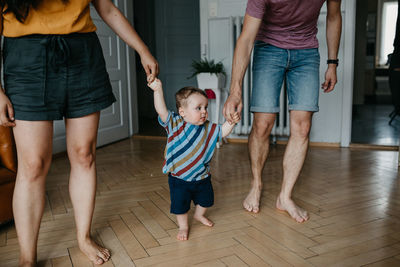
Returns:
point(252, 201)
point(95, 253)
point(297, 213)
point(183, 234)
point(203, 220)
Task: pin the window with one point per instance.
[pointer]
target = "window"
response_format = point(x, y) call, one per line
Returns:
point(387, 29)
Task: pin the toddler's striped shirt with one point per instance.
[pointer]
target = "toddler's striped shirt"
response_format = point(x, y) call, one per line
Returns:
point(189, 147)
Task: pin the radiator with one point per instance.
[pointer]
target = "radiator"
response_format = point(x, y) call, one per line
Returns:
point(281, 127)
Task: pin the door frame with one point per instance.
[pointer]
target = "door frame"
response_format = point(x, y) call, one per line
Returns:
point(133, 116)
point(349, 36)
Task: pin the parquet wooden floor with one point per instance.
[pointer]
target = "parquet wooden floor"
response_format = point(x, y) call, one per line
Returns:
point(353, 197)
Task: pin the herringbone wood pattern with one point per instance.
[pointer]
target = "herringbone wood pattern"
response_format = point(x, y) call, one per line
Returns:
point(353, 198)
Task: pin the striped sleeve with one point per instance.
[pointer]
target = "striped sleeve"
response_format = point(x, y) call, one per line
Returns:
point(167, 124)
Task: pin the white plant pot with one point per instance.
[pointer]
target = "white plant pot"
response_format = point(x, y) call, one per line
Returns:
point(208, 80)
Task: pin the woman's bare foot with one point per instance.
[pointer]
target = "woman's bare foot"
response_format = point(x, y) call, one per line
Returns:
point(183, 234)
point(297, 213)
point(203, 220)
point(95, 253)
point(252, 201)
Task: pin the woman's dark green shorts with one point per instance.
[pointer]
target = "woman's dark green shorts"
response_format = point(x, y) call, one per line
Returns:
point(48, 77)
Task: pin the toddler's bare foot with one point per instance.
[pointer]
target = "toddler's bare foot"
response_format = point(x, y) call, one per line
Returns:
point(95, 253)
point(298, 214)
point(203, 220)
point(182, 234)
point(252, 201)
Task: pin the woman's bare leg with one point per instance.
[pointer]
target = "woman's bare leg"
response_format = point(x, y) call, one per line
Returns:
point(81, 147)
point(34, 146)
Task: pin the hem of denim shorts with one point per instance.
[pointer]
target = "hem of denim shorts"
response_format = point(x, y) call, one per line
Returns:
point(304, 108)
point(90, 110)
point(39, 116)
point(265, 109)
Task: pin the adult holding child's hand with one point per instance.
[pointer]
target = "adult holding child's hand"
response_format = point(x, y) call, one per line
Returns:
point(285, 48)
point(54, 69)
point(232, 106)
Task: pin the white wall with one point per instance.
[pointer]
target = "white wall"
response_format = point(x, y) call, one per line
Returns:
point(332, 123)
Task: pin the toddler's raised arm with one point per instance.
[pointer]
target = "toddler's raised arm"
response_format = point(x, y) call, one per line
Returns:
point(159, 102)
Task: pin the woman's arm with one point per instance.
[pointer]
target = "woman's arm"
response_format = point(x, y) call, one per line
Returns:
point(113, 17)
point(6, 109)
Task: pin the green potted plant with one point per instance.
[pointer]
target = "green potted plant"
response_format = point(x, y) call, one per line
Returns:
point(210, 75)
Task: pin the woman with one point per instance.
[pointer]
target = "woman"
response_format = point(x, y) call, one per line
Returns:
point(54, 69)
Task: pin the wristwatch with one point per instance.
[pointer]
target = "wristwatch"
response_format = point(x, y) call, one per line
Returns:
point(333, 61)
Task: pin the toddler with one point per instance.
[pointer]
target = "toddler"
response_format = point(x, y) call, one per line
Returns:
point(190, 145)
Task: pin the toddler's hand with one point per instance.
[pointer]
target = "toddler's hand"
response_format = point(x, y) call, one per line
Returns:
point(150, 78)
point(236, 117)
point(155, 85)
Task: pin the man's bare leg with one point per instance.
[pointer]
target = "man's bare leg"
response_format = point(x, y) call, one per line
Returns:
point(293, 160)
point(258, 152)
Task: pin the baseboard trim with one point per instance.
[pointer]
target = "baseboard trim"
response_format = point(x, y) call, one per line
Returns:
point(148, 137)
point(284, 142)
point(373, 147)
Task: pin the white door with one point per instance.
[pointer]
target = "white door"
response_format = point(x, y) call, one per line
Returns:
point(114, 120)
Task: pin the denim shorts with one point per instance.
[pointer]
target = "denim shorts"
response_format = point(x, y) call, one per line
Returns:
point(48, 77)
point(300, 68)
point(182, 193)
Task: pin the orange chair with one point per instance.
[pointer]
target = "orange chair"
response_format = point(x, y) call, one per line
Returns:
point(8, 173)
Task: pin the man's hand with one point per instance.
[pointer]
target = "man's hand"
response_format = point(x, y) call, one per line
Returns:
point(6, 111)
point(232, 108)
point(154, 83)
point(330, 79)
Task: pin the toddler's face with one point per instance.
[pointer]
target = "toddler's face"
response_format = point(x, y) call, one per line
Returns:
point(195, 110)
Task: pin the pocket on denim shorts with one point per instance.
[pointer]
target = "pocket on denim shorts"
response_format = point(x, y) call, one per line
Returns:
point(24, 71)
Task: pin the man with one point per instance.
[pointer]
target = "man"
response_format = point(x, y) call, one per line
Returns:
point(286, 48)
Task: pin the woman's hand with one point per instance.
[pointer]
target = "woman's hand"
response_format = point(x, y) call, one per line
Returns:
point(6, 111)
point(150, 65)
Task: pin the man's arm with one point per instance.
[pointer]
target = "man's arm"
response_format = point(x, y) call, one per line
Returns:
point(241, 59)
point(333, 32)
point(159, 102)
point(121, 26)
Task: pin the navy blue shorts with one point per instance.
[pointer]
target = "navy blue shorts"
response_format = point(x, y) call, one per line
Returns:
point(182, 193)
